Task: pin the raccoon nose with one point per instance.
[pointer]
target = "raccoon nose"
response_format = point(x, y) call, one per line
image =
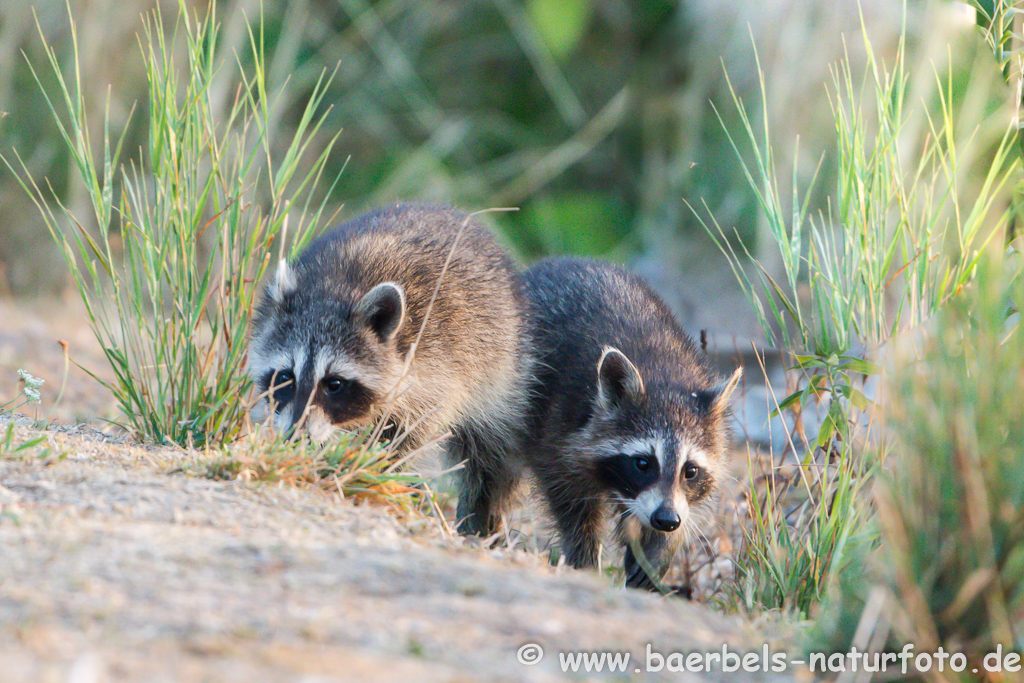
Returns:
point(665, 518)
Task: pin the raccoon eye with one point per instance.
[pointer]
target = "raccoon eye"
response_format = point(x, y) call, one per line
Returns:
point(280, 387)
point(690, 471)
point(277, 380)
point(642, 463)
point(334, 386)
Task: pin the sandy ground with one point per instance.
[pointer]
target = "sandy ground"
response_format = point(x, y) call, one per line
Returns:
point(115, 565)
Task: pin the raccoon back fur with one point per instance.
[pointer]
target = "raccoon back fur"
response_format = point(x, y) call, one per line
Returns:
point(331, 336)
point(626, 418)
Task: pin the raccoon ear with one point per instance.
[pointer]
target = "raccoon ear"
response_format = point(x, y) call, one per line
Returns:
point(383, 309)
point(283, 283)
point(723, 390)
point(618, 380)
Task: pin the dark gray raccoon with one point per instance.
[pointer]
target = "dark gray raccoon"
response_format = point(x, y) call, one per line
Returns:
point(331, 338)
point(625, 416)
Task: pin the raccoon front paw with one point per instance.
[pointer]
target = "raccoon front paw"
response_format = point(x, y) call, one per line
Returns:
point(637, 578)
point(680, 591)
point(478, 524)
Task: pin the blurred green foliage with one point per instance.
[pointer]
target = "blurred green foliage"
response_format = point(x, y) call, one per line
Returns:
point(949, 567)
point(594, 117)
point(496, 102)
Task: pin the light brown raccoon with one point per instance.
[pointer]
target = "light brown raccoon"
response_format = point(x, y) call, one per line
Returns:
point(332, 335)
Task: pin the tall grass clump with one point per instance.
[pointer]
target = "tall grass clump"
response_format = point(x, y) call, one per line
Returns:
point(187, 229)
point(949, 573)
point(924, 178)
point(908, 221)
point(952, 509)
point(805, 523)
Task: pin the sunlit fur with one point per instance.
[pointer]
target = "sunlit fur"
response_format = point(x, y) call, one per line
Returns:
point(344, 317)
point(623, 412)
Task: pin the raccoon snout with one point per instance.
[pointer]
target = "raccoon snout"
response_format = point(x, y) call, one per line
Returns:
point(293, 432)
point(665, 518)
point(312, 426)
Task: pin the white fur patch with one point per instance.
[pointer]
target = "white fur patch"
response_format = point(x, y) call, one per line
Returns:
point(650, 445)
point(282, 420)
point(281, 360)
point(260, 362)
point(644, 505)
point(645, 446)
point(695, 455)
point(318, 427)
point(681, 505)
point(284, 281)
point(299, 362)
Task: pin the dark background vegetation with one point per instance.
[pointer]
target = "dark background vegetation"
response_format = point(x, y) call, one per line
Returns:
point(597, 118)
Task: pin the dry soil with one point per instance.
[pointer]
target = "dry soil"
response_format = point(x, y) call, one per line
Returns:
point(117, 565)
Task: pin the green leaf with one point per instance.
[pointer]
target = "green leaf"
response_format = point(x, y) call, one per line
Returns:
point(827, 432)
point(861, 366)
point(788, 401)
point(856, 397)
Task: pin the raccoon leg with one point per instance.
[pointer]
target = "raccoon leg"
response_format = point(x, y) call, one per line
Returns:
point(482, 494)
point(486, 482)
point(579, 524)
point(578, 518)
